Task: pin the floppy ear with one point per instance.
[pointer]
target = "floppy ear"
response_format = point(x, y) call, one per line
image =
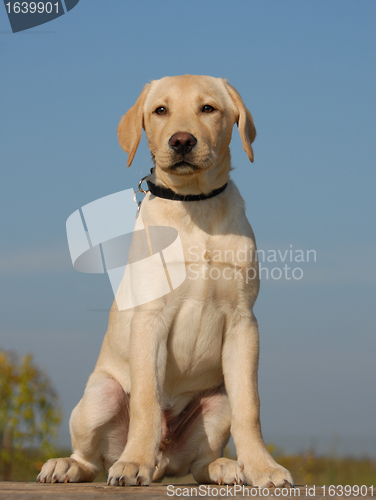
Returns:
point(244, 120)
point(130, 126)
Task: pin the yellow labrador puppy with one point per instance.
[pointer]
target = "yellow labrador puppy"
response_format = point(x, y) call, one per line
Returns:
point(176, 375)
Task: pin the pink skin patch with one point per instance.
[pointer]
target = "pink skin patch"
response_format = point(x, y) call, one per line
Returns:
point(176, 430)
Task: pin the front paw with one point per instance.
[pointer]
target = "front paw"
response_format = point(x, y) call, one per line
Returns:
point(267, 476)
point(130, 473)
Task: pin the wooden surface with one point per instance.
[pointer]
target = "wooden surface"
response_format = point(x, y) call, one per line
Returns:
point(34, 491)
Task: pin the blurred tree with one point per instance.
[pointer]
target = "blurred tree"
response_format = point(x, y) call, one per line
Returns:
point(29, 410)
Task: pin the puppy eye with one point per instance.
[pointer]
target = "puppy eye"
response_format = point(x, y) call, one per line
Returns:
point(207, 109)
point(160, 110)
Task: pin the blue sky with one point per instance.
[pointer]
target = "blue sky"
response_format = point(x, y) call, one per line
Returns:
point(306, 71)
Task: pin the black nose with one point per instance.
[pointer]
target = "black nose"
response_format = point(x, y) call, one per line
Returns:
point(182, 142)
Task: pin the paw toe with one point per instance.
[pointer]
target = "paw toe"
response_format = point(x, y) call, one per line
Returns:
point(270, 477)
point(47, 471)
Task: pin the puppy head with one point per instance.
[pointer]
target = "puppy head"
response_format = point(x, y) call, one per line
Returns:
point(188, 122)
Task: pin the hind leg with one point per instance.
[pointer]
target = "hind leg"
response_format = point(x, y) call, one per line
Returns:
point(99, 428)
point(208, 466)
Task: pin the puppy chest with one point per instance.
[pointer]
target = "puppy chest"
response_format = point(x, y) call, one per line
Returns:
point(195, 340)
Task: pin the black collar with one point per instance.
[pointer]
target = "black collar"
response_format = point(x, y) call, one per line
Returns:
point(168, 194)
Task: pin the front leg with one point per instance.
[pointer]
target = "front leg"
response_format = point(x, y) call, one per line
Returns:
point(147, 361)
point(240, 365)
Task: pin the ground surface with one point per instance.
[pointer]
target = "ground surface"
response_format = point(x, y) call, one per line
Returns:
point(34, 491)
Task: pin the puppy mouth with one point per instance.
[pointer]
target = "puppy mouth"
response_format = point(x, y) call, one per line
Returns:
point(183, 165)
